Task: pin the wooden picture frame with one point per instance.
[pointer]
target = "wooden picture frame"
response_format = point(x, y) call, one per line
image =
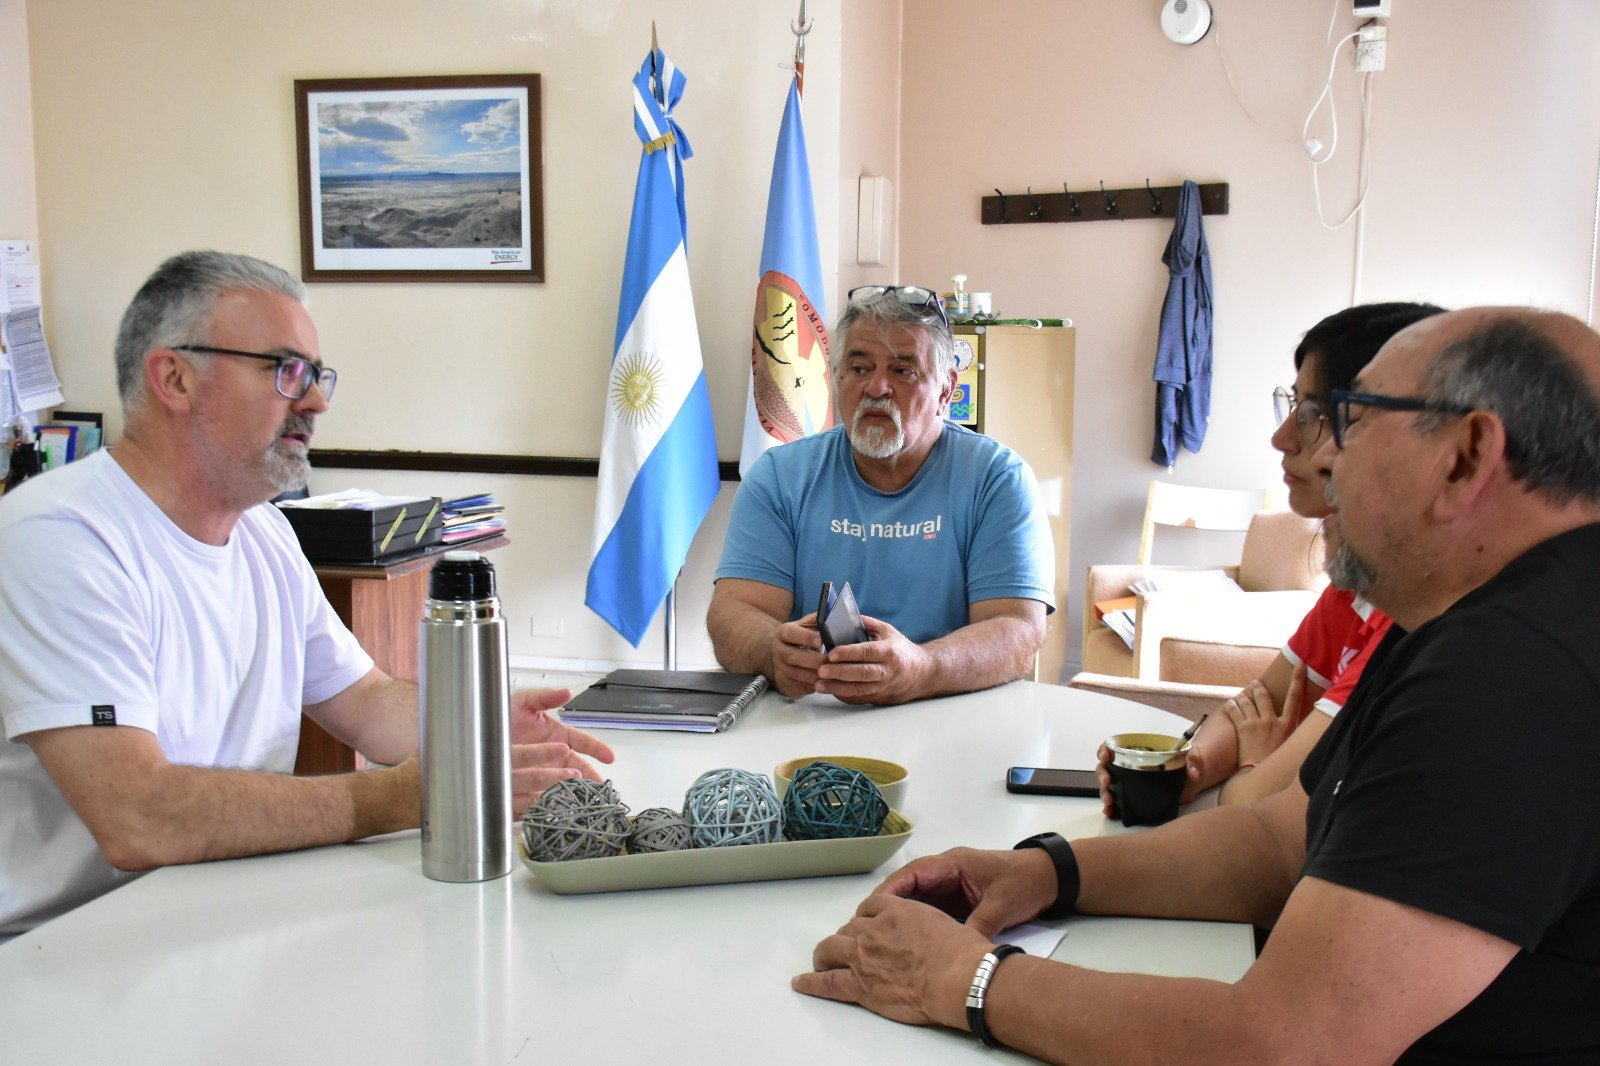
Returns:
point(421, 179)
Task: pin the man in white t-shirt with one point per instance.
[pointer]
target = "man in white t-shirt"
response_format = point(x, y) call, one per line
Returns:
point(164, 632)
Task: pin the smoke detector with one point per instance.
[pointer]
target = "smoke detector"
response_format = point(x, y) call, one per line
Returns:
point(1185, 21)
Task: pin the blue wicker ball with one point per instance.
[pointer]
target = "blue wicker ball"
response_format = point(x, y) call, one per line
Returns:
point(727, 807)
point(575, 819)
point(829, 802)
point(658, 829)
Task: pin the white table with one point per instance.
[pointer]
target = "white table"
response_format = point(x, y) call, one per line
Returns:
point(349, 954)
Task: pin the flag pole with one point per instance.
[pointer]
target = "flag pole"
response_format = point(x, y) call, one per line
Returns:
point(669, 633)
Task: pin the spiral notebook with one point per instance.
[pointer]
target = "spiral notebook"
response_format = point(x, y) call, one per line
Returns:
point(690, 701)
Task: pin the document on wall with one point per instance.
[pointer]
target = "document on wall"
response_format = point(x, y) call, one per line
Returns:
point(33, 375)
point(21, 287)
point(16, 257)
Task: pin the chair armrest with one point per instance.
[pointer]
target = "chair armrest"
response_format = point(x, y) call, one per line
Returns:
point(1110, 581)
point(1190, 701)
point(1258, 619)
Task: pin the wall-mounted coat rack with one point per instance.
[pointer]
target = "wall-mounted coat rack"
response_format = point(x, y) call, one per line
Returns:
point(1097, 205)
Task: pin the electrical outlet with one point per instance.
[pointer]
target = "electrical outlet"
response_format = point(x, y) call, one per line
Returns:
point(1370, 56)
point(552, 628)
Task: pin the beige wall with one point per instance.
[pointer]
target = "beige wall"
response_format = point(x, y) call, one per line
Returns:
point(1486, 135)
point(19, 212)
point(168, 124)
point(869, 132)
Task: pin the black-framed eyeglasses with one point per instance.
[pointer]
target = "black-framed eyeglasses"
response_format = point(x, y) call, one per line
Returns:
point(295, 375)
point(910, 295)
point(1309, 415)
point(1341, 401)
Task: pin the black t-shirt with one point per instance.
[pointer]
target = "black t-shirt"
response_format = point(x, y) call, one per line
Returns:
point(1463, 778)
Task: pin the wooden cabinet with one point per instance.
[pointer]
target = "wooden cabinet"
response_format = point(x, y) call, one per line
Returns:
point(382, 606)
point(1024, 396)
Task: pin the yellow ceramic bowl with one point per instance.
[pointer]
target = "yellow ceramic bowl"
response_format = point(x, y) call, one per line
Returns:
point(890, 777)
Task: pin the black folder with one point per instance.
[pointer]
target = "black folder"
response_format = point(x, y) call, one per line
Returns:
point(694, 701)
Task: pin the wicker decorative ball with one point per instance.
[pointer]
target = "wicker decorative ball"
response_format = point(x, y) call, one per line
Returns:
point(658, 829)
point(583, 822)
point(829, 802)
point(727, 807)
point(579, 792)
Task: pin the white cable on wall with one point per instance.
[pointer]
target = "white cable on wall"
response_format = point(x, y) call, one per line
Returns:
point(1594, 242)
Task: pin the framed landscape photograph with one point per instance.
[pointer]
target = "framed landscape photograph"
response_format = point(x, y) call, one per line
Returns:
point(420, 179)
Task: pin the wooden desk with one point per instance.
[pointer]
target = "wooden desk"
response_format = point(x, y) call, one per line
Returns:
point(382, 605)
point(350, 954)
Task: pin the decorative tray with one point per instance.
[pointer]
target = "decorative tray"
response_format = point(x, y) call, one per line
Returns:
point(720, 866)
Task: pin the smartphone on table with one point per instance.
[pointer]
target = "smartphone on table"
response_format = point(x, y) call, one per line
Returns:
point(1049, 781)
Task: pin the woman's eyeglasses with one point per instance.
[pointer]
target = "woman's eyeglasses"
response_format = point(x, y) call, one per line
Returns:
point(1309, 415)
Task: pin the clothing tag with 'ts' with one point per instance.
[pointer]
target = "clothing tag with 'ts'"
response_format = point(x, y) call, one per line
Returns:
point(103, 714)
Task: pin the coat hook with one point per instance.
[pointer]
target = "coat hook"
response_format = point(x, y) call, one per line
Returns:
point(1072, 201)
point(1155, 200)
point(1111, 201)
point(1002, 196)
point(1037, 211)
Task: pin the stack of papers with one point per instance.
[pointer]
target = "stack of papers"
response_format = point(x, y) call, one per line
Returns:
point(468, 518)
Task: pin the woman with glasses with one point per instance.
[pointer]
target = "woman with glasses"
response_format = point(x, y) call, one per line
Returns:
point(1257, 740)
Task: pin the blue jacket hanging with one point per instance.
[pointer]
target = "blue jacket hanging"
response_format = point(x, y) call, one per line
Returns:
point(1183, 351)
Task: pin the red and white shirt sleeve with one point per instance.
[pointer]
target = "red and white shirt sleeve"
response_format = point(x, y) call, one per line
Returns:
point(1334, 641)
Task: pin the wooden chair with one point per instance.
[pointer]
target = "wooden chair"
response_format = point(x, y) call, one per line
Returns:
point(1193, 507)
point(1225, 640)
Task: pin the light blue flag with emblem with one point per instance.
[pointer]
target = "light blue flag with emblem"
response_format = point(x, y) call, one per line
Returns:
point(658, 457)
point(791, 390)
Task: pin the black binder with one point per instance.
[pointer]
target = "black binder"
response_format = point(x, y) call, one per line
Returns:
point(695, 701)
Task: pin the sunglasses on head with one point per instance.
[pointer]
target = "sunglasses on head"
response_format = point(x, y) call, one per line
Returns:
point(914, 296)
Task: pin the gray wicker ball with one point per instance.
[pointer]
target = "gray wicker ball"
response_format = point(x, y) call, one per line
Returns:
point(579, 792)
point(583, 822)
point(830, 802)
point(728, 807)
point(658, 829)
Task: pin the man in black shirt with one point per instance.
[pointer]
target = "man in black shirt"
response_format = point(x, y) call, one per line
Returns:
point(1434, 879)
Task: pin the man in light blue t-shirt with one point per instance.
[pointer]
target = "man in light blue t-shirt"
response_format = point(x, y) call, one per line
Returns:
point(940, 532)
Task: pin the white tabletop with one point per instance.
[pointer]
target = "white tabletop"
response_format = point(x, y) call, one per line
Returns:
point(349, 954)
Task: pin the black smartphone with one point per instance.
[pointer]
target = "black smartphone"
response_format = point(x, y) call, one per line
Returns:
point(1044, 781)
point(825, 604)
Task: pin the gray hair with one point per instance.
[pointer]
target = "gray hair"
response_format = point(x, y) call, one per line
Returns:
point(1550, 412)
point(171, 307)
point(887, 313)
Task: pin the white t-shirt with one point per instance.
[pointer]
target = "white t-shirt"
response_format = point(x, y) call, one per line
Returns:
point(111, 614)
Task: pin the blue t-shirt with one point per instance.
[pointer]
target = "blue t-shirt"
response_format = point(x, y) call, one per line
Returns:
point(970, 526)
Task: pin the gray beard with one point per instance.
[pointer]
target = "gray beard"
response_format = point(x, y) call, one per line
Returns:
point(289, 471)
point(286, 471)
point(873, 442)
point(1347, 570)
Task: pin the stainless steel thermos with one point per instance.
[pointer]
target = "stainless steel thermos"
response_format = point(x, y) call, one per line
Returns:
point(465, 724)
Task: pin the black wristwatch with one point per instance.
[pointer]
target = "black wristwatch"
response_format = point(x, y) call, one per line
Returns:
point(1066, 864)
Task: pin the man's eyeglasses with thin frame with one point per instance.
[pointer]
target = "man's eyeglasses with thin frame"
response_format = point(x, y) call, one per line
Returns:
point(295, 375)
point(1340, 401)
point(911, 295)
point(1306, 411)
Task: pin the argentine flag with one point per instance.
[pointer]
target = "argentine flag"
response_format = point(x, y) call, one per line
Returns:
point(658, 457)
point(791, 388)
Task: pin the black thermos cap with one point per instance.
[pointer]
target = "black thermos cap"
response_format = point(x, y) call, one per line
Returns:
point(461, 576)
